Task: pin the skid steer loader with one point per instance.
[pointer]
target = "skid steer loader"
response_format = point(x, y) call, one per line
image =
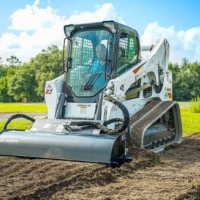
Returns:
point(98, 107)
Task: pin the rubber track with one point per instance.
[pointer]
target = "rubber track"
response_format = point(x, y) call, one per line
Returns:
point(146, 116)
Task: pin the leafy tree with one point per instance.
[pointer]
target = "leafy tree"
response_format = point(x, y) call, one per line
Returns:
point(194, 79)
point(30, 78)
point(5, 74)
point(48, 65)
point(22, 84)
point(186, 84)
point(13, 61)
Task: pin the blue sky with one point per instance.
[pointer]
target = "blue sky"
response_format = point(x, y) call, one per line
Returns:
point(28, 26)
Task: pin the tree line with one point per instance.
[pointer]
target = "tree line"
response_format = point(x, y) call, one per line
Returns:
point(20, 81)
point(186, 80)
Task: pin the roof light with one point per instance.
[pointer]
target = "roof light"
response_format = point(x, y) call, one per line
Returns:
point(110, 25)
point(68, 30)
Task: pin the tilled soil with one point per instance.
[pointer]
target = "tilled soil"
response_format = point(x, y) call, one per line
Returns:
point(173, 174)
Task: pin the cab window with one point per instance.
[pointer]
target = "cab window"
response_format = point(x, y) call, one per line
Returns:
point(128, 52)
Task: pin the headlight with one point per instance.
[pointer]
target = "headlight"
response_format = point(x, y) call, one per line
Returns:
point(68, 30)
point(110, 25)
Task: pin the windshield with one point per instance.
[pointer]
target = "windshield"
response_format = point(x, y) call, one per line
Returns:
point(89, 63)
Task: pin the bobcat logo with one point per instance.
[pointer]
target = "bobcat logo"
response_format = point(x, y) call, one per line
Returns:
point(49, 89)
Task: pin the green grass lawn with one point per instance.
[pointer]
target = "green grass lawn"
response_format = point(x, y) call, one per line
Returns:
point(17, 124)
point(190, 120)
point(23, 107)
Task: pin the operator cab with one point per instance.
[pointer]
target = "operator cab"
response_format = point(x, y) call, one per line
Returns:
point(96, 53)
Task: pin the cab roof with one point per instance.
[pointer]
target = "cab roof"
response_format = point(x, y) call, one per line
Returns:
point(117, 26)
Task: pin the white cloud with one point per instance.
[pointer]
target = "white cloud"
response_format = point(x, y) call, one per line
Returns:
point(105, 12)
point(33, 18)
point(182, 43)
point(153, 32)
point(34, 28)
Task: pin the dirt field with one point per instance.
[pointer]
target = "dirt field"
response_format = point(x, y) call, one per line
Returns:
point(173, 174)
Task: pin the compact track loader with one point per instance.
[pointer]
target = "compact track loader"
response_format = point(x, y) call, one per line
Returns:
point(102, 103)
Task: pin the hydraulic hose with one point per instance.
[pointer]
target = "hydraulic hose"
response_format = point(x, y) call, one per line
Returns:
point(103, 127)
point(18, 116)
point(125, 121)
